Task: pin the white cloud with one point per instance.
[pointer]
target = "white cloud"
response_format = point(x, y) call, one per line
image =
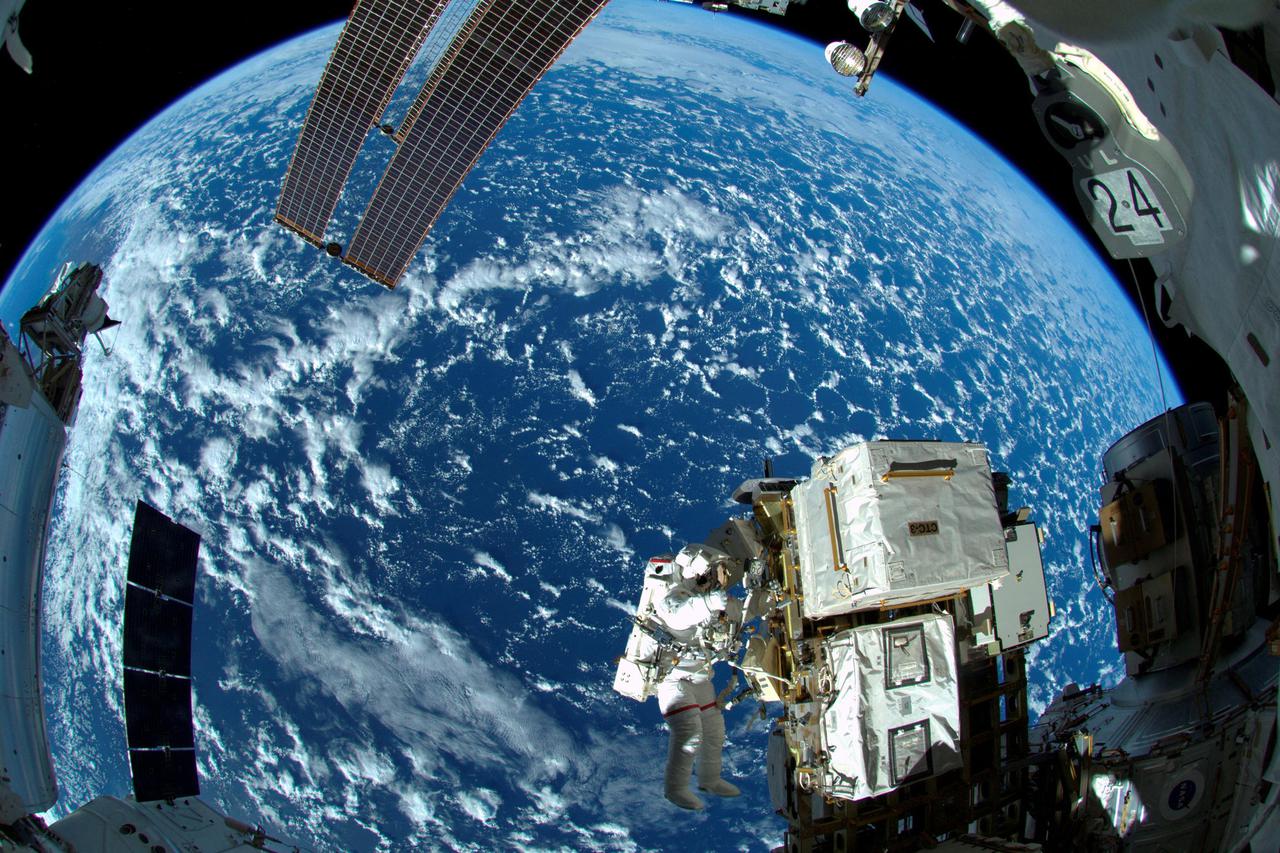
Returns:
point(632, 236)
point(361, 763)
point(480, 804)
point(605, 464)
point(561, 506)
point(473, 712)
point(381, 485)
point(579, 389)
point(416, 806)
point(616, 539)
point(217, 459)
point(487, 562)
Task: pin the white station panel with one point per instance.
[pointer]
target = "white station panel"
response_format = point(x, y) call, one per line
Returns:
point(1021, 601)
point(112, 825)
point(894, 713)
point(31, 445)
point(893, 522)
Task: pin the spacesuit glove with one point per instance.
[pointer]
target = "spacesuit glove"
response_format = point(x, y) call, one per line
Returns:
point(717, 600)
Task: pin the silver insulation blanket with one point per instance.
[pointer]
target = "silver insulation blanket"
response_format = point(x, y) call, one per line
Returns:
point(894, 713)
point(912, 520)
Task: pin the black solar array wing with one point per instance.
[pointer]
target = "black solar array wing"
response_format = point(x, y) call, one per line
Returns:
point(500, 53)
point(375, 49)
point(157, 632)
point(163, 554)
point(158, 608)
point(157, 710)
point(163, 774)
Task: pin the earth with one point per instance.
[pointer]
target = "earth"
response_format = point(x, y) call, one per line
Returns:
point(425, 512)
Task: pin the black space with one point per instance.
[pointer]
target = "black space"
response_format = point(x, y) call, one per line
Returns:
point(103, 69)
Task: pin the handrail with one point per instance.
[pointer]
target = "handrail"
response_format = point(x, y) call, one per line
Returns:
point(944, 473)
point(837, 548)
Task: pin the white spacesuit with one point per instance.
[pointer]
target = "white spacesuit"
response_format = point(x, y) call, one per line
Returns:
point(697, 611)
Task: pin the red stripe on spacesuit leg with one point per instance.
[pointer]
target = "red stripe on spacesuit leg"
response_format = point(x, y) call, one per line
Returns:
point(705, 707)
point(675, 711)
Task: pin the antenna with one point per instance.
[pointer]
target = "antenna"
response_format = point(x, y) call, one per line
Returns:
point(54, 330)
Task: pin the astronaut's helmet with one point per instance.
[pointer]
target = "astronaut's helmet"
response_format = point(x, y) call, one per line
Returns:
point(703, 566)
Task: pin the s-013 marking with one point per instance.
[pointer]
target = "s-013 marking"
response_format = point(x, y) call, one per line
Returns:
point(922, 528)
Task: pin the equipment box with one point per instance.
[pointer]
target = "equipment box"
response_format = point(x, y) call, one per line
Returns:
point(889, 708)
point(888, 523)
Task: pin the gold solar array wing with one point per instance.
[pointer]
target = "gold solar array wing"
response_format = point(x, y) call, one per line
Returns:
point(375, 49)
point(500, 53)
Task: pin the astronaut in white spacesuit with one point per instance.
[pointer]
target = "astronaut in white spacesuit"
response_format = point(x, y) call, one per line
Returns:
point(703, 617)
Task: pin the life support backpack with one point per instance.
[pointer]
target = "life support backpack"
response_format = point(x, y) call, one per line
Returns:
point(647, 657)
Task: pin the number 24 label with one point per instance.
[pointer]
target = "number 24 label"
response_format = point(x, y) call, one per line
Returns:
point(1125, 201)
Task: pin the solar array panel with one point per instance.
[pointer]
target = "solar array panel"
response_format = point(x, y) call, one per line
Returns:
point(456, 15)
point(500, 53)
point(162, 555)
point(158, 608)
point(157, 632)
point(440, 64)
point(157, 711)
point(375, 49)
point(163, 774)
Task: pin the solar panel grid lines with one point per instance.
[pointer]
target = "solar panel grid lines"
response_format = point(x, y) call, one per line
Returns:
point(442, 65)
point(374, 51)
point(449, 34)
point(491, 67)
point(430, 175)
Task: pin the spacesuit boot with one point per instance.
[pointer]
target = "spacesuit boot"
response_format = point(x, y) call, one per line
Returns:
point(685, 730)
point(709, 754)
